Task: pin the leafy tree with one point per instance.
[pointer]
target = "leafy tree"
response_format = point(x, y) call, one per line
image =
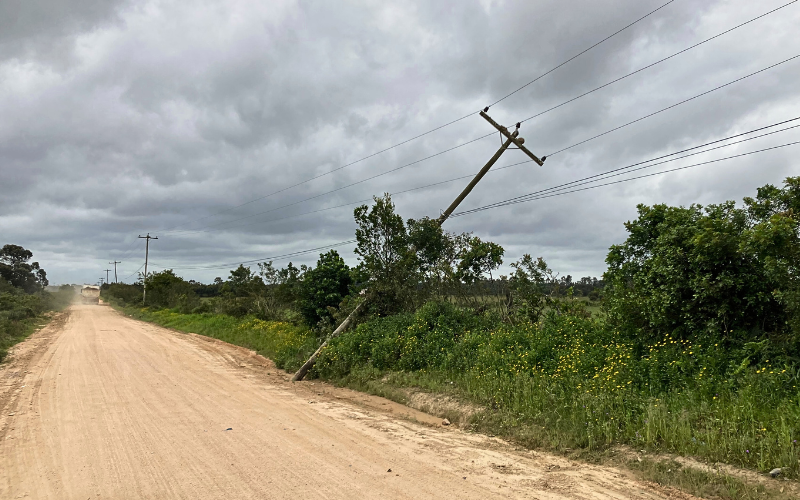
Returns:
point(529, 291)
point(478, 259)
point(15, 269)
point(166, 289)
point(289, 280)
point(324, 287)
point(243, 282)
point(719, 272)
point(437, 253)
point(430, 242)
point(383, 249)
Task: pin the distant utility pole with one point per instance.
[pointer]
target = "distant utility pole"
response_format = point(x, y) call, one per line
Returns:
point(107, 271)
point(146, 255)
point(510, 138)
point(115, 269)
point(101, 281)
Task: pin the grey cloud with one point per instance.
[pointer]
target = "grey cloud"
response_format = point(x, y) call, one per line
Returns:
point(123, 118)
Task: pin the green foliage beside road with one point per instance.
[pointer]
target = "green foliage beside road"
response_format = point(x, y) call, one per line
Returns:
point(570, 382)
point(716, 274)
point(23, 301)
point(286, 344)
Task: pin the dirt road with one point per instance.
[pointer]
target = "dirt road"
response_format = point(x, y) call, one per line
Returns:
point(97, 405)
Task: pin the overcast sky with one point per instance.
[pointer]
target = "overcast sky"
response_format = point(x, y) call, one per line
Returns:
point(119, 118)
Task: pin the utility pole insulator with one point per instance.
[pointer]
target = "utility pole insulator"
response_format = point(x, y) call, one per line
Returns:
point(518, 143)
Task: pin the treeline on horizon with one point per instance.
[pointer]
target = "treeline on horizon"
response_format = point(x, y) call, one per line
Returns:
point(690, 343)
point(287, 289)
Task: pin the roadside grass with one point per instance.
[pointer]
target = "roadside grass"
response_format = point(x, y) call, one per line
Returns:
point(571, 383)
point(22, 314)
point(12, 333)
point(712, 485)
point(705, 484)
point(285, 344)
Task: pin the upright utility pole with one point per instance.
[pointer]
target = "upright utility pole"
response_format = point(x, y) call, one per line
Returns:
point(146, 255)
point(107, 280)
point(510, 138)
point(115, 269)
point(101, 281)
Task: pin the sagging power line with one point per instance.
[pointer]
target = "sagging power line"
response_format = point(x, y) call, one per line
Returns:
point(532, 197)
point(132, 274)
point(497, 169)
point(440, 127)
point(560, 189)
point(573, 99)
point(510, 138)
point(584, 141)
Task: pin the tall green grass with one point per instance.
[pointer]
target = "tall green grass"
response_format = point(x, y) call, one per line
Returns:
point(286, 344)
point(574, 383)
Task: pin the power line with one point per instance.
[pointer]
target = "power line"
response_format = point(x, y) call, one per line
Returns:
point(264, 259)
point(130, 249)
point(136, 271)
point(673, 106)
point(366, 200)
point(581, 53)
point(323, 175)
point(524, 163)
point(429, 131)
point(630, 168)
point(529, 118)
point(551, 195)
point(487, 135)
point(657, 62)
point(499, 204)
point(356, 182)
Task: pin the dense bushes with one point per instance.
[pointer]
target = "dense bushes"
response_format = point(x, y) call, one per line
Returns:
point(572, 382)
point(324, 287)
point(718, 274)
point(18, 311)
point(22, 295)
point(128, 294)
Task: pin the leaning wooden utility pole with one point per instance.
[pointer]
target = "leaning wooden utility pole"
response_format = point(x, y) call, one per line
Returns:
point(146, 255)
point(510, 138)
point(115, 269)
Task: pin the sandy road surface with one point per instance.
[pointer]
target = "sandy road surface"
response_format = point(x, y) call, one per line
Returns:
point(97, 405)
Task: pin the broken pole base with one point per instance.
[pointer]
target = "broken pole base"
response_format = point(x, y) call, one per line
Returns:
point(301, 373)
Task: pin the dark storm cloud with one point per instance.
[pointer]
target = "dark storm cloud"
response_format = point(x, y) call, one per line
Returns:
point(31, 29)
point(128, 117)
